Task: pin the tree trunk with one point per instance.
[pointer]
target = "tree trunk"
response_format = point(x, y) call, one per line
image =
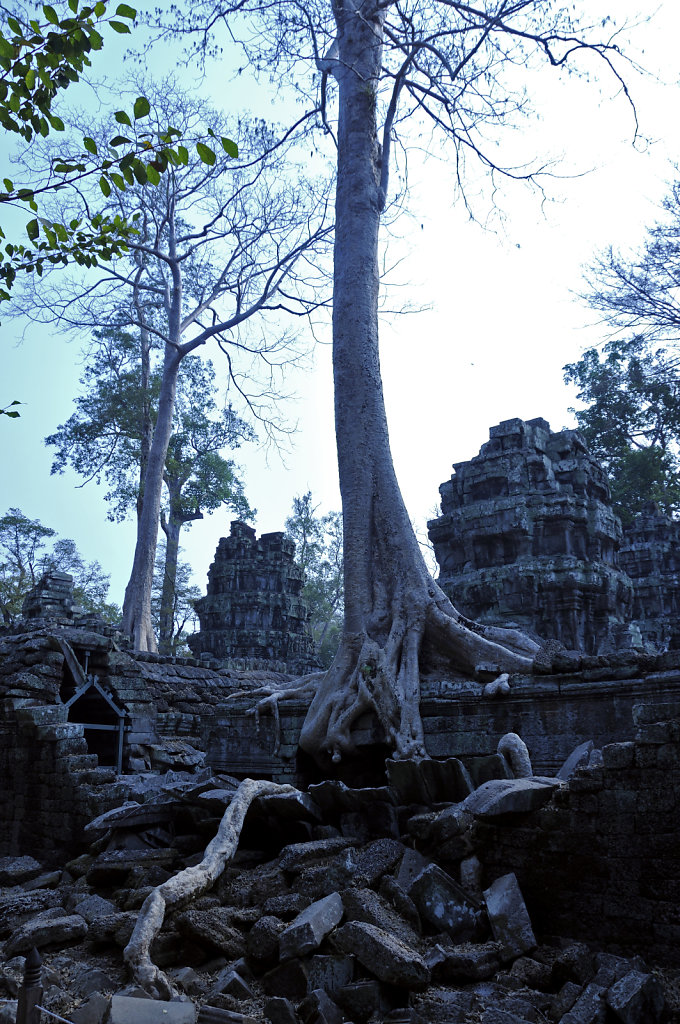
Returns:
point(171, 528)
point(137, 603)
point(392, 605)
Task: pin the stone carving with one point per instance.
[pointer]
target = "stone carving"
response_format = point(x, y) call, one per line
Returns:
point(253, 608)
point(528, 535)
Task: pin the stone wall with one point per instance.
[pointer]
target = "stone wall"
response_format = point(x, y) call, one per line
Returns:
point(650, 555)
point(602, 860)
point(253, 608)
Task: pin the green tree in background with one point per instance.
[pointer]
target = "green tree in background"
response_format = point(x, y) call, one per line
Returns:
point(107, 437)
point(631, 420)
point(318, 549)
point(25, 557)
point(182, 615)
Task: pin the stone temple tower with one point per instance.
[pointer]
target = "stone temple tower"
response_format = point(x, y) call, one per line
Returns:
point(253, 609)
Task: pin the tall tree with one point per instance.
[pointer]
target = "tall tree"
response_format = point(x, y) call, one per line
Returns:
point(222, 243)
point(460, 66)
point(107, 436)
point(181, 610)
point(631, 420)
point(318, 549)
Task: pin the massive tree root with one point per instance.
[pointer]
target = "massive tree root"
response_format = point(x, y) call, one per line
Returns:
point(187, 885)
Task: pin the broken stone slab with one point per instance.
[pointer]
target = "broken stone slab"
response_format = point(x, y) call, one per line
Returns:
point(130, 1010)
point(294, 806)
point(383, 955)
point(509, 918)
point(262, 943)
point(92, 1010)
point(483, 768)
point(231, 982)
point(589, 1007)
point(446, 906)
point(16, 870)
point(50, 928)
point(18, 904)
point(367, 905)
point(412, 863)
point(130, 814)
point(637, 998)
point(579, 756)
point(428, 781)
point(297, 856)
point(308, 930)
point(401, 901)
point(287, 905)
point(333, 796)
point(213, 929)
point(319, 1008)
point(216, 800)
point(93, 907)
point(468, 961)
point(48, 880)
point(510, 796)
point(377, 858)
point(331, 972)
point(332, 875)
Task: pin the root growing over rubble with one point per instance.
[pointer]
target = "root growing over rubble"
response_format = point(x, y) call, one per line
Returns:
point(187, 885)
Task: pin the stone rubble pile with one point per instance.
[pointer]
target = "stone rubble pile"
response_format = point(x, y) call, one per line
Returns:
point(341, 905)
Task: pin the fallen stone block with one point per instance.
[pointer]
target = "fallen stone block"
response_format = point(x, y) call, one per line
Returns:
point(637, 998)
point(189, 981)
point(93, 907)
point(468, 961)
point(92, 1011)
point(278, 1010)
point(508, 917)
point(288, 979)
point(428, 781)
point(18, 904)
point(220, 1015)
point(383, 955)
point(330, 972)
point(334, 796)
point(308, 930)
point(589, 1007)
point(213, 928)
point(443, 903)
point(286, 906)
point(262, 943)
point(323, 879)
point(319, 1008)
point(50, 928)
point(377, 858)
point(233, 984)
point(401, 901)
point(366, 905)
point(295, 857)
point(16, 870)
point(487, 766)
point(360, 1000)
point(412, 863)
point(564, 1000)
point(130, 1010)
point(295, 806)
point(510, 796)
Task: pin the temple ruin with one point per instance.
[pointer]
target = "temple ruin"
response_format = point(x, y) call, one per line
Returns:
point(528, 535)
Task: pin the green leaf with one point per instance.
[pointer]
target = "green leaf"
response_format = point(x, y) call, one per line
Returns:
point(56, 122)
point(30, 78)
point(152, 175)
point(99, 9)
point(183, 154)
point(141, 107)
point(119, 140)
point(105, 186)
point(119, 26)
point(139, 170)
point(15, 27)
point(51, 14)
point(118, 180)
point(229, 147)
point(9, 185)
point(90, 145)
point(124, 11)
point(33, 229)
point(122, 118)
point(206, 154)
point(6, 48)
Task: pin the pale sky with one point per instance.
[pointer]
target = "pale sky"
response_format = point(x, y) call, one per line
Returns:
point(502, 323)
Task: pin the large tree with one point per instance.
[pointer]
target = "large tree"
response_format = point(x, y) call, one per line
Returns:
point(223, 244)
point(631, 420)
point(459, 67)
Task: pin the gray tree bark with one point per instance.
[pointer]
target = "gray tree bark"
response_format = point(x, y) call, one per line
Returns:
point(392, 605)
